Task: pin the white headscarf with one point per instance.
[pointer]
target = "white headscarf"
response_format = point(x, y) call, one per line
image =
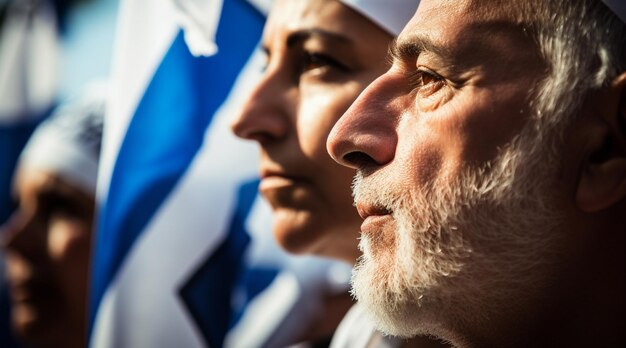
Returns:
point(391, 15)
point(200, 18)
point(68, 143)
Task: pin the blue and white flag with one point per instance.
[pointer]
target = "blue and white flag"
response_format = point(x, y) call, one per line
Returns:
point(184, 255)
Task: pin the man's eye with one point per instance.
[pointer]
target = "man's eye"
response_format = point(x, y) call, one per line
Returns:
point(312, 61)
point(426, 82)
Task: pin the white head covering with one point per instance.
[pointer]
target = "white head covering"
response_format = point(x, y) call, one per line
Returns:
point(68, 143)
point(200, 18)
point(391, 15)
point(618, 7)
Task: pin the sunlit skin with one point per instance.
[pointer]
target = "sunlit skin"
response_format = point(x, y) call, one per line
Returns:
point(47, 243)
point(320, 56)
point(443, 102)
point(450, 102)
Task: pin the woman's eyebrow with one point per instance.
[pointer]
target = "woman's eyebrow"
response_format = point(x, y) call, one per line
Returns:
point(57, 189)
point(299, 36)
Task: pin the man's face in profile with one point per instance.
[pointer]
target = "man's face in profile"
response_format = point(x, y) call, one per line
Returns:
point(458, 190)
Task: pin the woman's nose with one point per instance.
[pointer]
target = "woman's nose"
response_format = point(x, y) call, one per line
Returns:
point(16, 234)
point(265, 114)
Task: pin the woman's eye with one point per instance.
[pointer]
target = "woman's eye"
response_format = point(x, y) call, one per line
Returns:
point(426, 82)
point(312, 61)
point(61, 206)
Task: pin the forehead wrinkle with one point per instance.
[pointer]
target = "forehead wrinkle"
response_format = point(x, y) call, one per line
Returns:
point(510, 49)
point(466, 47)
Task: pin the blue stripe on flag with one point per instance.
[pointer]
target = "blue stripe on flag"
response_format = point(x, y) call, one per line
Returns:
point(207, 292)
point(166, 132)
point(252, 281)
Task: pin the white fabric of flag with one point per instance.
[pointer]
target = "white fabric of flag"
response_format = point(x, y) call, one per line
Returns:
point(184, 255)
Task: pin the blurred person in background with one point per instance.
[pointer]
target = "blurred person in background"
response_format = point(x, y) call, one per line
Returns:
point(29, 48)
point(48, 239)
point(49, 49)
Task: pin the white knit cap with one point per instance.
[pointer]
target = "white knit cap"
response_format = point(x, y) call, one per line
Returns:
point(618, 7)
point(68, 143)
point(391, 15)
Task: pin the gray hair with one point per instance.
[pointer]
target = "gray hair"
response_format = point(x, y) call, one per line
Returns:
point(584, 45)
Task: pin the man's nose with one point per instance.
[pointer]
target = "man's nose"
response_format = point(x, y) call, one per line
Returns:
point(265, 115)
point(365, 136)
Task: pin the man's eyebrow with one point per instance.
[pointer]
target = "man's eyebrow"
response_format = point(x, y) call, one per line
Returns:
point(302, 35)
point(408, 49)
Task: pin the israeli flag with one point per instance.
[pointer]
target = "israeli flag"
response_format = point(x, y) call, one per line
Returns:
point(184, 255)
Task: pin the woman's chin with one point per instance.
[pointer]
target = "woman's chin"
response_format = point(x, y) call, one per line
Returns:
point(296, 240)
point(32, 326)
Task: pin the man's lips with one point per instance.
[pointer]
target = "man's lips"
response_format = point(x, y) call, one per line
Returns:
point(375, 218)
point(367, 210)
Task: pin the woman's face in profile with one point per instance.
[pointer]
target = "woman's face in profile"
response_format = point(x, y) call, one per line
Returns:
point(320, 56)
point(47, 243)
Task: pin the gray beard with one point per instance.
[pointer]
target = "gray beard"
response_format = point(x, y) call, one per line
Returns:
point(463, 249)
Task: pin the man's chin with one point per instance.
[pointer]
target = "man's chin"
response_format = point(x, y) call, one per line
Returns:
point(401, 291)
point(392, 312)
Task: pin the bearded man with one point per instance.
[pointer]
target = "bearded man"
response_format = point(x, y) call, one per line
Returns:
point(491, 164)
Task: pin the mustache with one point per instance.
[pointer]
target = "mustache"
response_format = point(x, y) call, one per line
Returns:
point(357, 183)
point(375, 191)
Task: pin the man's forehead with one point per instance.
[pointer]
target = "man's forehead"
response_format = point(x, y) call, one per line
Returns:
point(459, 13)
point(462, 30)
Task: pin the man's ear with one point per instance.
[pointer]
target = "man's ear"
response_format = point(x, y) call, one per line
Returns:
point(602, 180)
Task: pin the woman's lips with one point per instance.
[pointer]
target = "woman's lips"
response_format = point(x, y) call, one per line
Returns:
point(279, 180)
point(30, 291)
